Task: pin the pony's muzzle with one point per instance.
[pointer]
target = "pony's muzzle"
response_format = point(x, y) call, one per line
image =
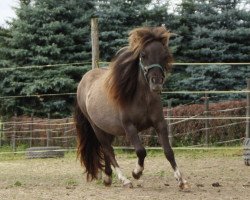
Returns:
point(157, 80)
point(156, 84)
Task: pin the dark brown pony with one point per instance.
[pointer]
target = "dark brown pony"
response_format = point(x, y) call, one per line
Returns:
point(124, 100)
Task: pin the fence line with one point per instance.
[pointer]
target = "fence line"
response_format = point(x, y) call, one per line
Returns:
point(164, 92)
point(44, 138)
point(206, 118)
point(36, 123)
point(208, 92)
point(63, 125)
point(184, 119)
point(104, 62)
point(37, 95)
point(193, 147)
point(211, 128)
point(227, 110)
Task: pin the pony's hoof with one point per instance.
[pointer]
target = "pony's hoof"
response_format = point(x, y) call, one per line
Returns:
point(107, 181)
point(184, 186)
point(128, 185)
point(136, 175)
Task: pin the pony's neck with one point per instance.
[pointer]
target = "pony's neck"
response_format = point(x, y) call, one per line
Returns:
point(143, 90)
point(142, 81)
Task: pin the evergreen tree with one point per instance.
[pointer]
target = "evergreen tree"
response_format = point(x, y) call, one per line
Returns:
point(4, 51)
point(46, 32)
point(118, 17)
point(211, 31)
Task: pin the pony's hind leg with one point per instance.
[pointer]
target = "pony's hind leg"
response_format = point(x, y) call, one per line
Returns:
point(107, 180)
point(109, 156)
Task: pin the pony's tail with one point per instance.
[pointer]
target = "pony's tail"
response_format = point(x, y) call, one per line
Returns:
point(88, 147)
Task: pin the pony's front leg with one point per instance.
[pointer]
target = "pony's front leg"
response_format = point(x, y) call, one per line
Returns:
point(162, 131)
point(133, 137)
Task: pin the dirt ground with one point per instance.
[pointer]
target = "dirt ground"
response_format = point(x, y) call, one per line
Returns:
point(64, 179)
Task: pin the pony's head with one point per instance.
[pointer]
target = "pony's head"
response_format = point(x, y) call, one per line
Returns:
point(146, 58)
point(151, 47)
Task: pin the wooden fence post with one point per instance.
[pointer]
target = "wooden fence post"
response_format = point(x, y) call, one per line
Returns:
point(169, 114)
point(206, 120)
point(31, 128)
point(48, 131)
point(65, 132)
point(1, 130)
point(248, 110)
point(14, 133)
point(246, 144)
point(95, 42)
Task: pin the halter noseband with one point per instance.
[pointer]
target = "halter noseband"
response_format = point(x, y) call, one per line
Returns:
point(146, 68)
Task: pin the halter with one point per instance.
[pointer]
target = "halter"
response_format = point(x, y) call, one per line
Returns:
point(146, 68)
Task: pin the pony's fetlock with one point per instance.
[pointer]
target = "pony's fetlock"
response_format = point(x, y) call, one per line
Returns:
point(128, 184)
point(107, 181)
point(183, 185)
point(137, 175)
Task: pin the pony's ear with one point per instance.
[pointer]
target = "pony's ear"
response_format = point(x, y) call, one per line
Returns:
point(162, 34)
point(166, 42)
point(135, 38)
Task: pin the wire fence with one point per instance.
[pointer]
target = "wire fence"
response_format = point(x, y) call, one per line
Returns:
point(106, 63)
point(31, 131)
point(61, 132)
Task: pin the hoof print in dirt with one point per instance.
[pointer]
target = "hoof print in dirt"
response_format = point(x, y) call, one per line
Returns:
point(199, 185)
point(216, 184)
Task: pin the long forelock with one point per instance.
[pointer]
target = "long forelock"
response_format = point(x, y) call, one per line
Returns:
point(140, 37)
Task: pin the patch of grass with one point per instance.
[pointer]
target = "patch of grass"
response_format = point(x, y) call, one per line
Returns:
point(6, 153)
point(128, 153)
point(188, 152)
point(6, 148)
point(209, 152)
point(70, 154)
point(18, 184)
point(161, 173)
point(71, 182)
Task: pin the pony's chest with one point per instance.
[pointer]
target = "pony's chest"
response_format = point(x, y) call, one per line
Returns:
point(141, 117)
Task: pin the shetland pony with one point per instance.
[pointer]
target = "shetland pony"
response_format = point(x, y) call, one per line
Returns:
point(124, 100)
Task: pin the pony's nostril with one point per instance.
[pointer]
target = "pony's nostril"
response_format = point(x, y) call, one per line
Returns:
point(154, 80)
point(157, 80)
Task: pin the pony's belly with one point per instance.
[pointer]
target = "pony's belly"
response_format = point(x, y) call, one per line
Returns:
point(104, 115)
point(107, 123)
point(111, 129)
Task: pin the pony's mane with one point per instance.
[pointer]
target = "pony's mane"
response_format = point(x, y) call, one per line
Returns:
point(122, 80)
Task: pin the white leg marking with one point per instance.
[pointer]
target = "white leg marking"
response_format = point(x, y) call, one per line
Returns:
point(182, 182)
point(121, 177)
point(177, 174)
point(138, 169)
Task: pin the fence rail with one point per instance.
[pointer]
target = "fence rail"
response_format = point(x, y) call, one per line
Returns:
point(51, 130)
point(63, 130)
point(106, 63)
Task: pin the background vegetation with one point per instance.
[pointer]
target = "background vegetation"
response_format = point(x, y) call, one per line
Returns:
point(48, 32)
